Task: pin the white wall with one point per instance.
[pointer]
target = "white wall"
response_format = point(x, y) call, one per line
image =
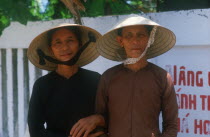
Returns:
point(190, 55)
point(191, 28)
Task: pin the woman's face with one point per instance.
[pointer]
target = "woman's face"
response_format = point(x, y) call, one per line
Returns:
point(64, 44)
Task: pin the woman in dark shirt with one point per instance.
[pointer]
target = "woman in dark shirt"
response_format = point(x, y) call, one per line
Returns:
point(67, 94)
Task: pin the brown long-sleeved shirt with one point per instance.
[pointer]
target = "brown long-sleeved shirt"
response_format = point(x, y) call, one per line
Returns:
point(131, 102)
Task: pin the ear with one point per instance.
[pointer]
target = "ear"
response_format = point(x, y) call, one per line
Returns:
point(119, 40)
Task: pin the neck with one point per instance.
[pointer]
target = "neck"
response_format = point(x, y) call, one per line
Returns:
point(138, 65)
point(66, 71)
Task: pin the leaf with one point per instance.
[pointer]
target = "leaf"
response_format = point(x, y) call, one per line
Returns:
point(94, 8)
point(4, 22)
point(29, 10)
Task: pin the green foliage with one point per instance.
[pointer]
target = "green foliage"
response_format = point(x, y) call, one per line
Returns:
point(13, 11)
point(106, 7)
point(93, 8)
point(54, 10)
point(145, 5)
point(119, 7)
point(35, 10)
point(61, 12)
point(4, 21)
point(16, 11)
point(29, 10)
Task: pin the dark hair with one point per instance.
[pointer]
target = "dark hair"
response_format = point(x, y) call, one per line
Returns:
point(74, 30)
point(148, 27)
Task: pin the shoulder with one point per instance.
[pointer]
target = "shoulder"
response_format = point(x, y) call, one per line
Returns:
point(89, 74)
point(160, 73)
point(45, 80)
point(112, 71)
point(42, 86)
point(157, 70)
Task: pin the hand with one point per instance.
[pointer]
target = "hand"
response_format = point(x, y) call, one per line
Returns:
point(153, 135)
point(85, 125)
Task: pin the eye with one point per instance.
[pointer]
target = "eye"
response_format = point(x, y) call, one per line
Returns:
point(69, 40)
point(141, 35)
point(128, 35)
point(56, 43)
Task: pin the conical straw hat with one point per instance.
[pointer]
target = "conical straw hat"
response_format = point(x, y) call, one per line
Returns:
point(41, 42)
point(109, 48)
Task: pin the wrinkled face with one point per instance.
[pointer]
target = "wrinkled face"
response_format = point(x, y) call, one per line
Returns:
point(134, 39)
point(64, 44)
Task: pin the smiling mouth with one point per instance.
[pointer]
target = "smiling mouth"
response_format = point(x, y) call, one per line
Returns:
point(67, 54)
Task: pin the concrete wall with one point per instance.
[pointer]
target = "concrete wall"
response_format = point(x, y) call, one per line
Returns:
point(188, 62)
point(190, 27)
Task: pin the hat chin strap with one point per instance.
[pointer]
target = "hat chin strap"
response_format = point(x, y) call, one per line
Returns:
point(150, 42)
point(43, 57)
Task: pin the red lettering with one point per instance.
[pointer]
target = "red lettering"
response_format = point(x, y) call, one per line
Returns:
point(190, 78)
point(179, 90)
point(198, 126)
point(209, 103)
point(199, 81)
point(202, 127)
point(192, 102)
point(203, 98)
point(187, 78)
point(182, 76)
point(178, 124)
point(185, 127)
point(184, 101)
point(206, 126)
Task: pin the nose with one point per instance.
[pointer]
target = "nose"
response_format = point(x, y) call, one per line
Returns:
point(64, 46)
point(135, 40)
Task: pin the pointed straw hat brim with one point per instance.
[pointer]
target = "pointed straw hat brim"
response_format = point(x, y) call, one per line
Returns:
point(41, 42)
point(109, 48)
